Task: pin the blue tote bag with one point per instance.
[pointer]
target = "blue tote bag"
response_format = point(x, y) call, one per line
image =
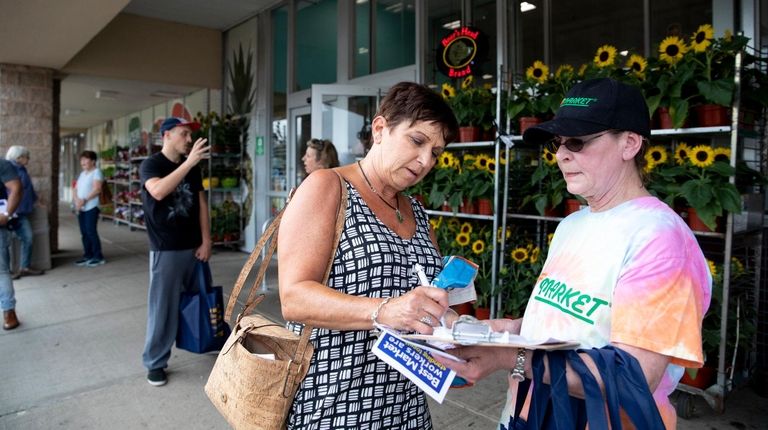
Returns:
point(201, 315)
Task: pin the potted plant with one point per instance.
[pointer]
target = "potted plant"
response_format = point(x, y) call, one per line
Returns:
point(533, 97)
point(547, 187)
point(667, 81)
point(474, 179)
point(518, 276)
point(471, 105)
point(714, 66)
point(442, 185)
point(481, 254)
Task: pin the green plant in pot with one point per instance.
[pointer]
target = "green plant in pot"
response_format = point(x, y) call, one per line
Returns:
point(442, 185)
point(670, 79)
point(481, 254)
point(536, 95)
point(475, 178)
point(547, 186)
point(471, 104)
point(714, 67)
point(518, 277)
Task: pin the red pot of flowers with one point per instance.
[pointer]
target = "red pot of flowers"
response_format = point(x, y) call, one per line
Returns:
point(482, 313)
point(664, 118)
point(705, 378)
point(467, 207)
point(527, 121)
point(464, 308)
point(571, 206)
point(469, 134)
point(552, 212)
point(484, 207)
point(711, 115)
point(695, 223)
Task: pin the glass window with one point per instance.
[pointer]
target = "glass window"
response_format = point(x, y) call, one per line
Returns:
point(678, 18)
point(579, 29)
point(315, 51)
point(393, 45)
point(446, 16)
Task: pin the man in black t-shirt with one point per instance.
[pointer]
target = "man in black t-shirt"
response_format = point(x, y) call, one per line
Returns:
point(176, 216)
point(10, 202)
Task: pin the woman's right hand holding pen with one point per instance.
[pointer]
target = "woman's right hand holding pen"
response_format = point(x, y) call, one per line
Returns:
point(419, 310)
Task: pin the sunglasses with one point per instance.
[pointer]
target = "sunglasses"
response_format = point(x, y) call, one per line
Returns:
point(573, 144)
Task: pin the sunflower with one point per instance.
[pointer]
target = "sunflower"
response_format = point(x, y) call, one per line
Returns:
point(702, 156)
point(448, 91)
point(467, 82)
point(478, 246)
point(454, 224)
point(466, 228)
point(506, 234)
point(519, 255)
point(445, 161)
point(605, 56)
point(681, 153)
point(462, 239)
point(637, 64)
point(656, 154)
point(469, 158)
point(649, 165)
point(491, 166)
point(737, 267)
point(481, 162)
point(672, 49)
point(535, 254)
point(722, 154)
point(548, 157)
point(712, 267)
point(702, 38)
point(503, 157)
point(564, 71)
point(538, 72)
point(436, 222)
point(583, 69)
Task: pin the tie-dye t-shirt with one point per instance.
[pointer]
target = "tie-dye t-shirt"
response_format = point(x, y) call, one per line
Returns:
point(633, 274)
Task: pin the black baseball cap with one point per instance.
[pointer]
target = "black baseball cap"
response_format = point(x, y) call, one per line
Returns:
point(593, 106)
point(172, 122)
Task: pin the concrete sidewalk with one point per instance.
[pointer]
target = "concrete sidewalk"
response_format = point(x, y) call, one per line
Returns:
point(75, 362)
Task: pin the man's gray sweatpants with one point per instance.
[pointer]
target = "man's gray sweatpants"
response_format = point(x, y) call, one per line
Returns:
point(170, 273)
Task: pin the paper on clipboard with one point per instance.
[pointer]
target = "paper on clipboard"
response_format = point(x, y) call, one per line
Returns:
point(469, 331)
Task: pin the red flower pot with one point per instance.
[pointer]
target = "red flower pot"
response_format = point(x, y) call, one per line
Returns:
point(695, 223)
point(571, 206)
point(482, 313)
point(664, 118)
point(705, 378)
point(711, 115)
point(469, 134)
point(484, 207)
point(464, 308)
point(552, 212)
point(527, 121)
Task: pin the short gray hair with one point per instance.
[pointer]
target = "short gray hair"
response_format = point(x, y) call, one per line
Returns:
point(15, 152)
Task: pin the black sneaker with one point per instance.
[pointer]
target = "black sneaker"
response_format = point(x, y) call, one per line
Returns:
point(157, 377)
point(82, 261)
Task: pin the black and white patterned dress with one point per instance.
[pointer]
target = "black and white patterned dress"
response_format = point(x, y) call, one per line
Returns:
point(347, 387)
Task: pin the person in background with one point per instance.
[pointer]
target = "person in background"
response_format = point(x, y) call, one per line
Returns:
point(176, 216)
point(320, 154)
point(19, 157)
point(87, 190)
point(11, 197)
point(635, 275)
point(372, 279)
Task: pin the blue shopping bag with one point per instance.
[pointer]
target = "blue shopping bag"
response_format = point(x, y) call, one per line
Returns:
point(201, 315)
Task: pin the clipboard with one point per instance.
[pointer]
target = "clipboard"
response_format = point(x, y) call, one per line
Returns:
point(468, 330)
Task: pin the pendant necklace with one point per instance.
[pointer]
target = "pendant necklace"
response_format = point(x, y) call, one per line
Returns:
point(397, 199)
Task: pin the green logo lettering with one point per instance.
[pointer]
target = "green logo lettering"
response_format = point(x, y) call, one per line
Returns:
point(567, 300)
point(578, 101)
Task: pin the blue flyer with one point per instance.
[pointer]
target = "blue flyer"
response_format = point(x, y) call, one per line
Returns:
point(415, 363)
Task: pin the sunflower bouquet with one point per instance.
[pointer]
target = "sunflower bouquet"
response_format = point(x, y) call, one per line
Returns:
point(536, 95)
point(699, 176)
point(713, 60)
point(472, 104)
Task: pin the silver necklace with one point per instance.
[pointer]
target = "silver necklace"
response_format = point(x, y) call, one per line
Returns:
point(397, 198)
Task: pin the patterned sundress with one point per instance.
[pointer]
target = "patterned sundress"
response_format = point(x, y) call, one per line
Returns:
point(347, 387)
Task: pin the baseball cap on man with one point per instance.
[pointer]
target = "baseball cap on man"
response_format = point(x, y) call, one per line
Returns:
point(593, 106)
point(172, 122)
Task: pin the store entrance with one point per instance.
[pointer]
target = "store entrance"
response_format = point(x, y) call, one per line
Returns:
point(343, 114)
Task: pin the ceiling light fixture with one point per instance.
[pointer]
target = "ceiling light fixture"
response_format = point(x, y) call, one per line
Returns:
point(165, 94)
point(526, 7)
point(106, 94)
point(453, 25)
point(73, 111)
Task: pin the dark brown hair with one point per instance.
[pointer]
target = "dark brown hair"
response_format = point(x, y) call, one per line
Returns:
point(326, 152)
point(412, 102)
point(88, 154)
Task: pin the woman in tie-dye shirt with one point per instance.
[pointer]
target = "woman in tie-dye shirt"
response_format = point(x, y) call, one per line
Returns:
point(624, 271)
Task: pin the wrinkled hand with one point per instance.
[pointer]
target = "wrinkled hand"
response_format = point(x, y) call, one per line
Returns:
point(479, 361)
point(199, 151)
point(418, 310)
